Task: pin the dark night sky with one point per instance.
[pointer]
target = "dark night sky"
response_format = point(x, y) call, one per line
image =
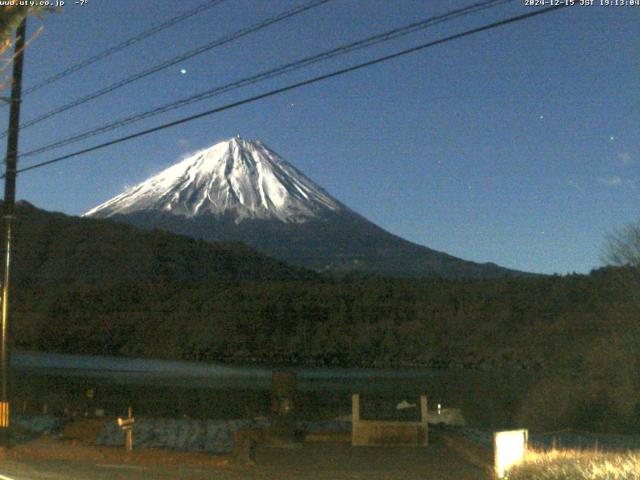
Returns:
point(519, 145)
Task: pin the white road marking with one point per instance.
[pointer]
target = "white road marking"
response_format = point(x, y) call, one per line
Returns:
point(113, 465)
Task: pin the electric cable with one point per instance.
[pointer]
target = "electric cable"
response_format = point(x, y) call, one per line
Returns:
point(296, 85)
point(122, 45)
point(181, 58)
point(271, 73)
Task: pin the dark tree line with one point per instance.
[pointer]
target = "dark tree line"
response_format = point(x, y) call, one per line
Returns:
point(97, 287)
point(523, 322)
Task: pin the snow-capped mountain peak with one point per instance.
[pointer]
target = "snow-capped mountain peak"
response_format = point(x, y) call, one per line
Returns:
point(235, 177)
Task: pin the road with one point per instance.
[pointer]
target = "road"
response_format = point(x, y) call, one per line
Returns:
point(310, 462)
point(72, 470)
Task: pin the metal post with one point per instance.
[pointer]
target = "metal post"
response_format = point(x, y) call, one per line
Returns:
point(355, 420)
point(283, 406)
point(127, 427)
point(129, 433)
point(424, 419)
point(9, 202)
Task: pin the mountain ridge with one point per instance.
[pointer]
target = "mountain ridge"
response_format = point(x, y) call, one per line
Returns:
point(242, 191)
point(237, 176)
point(56, 249)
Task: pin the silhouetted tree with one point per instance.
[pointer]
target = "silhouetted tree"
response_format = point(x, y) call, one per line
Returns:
point(622, 247)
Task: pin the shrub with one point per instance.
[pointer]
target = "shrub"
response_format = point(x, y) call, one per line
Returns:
point(577, 465)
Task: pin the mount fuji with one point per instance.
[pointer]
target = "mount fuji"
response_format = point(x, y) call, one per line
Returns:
point(241, 191)
point(237, 178)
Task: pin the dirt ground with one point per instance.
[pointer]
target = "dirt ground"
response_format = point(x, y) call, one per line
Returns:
point(72, 457)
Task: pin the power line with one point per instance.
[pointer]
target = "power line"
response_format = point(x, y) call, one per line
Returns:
point(122, 45)
point(181, 58)
point(271, 73)
point(293, 86)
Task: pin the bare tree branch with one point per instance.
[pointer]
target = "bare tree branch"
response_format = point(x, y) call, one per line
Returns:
point(622, 247)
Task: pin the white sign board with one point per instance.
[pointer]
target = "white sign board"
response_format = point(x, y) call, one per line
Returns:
point(509, 448)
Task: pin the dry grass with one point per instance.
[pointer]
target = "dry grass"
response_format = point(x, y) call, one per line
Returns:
point(577, 465)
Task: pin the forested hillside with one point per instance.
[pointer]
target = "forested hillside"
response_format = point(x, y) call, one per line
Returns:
point(524, 322)
point(98, 287)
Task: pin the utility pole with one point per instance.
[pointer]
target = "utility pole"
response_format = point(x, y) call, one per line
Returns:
point(9, 203)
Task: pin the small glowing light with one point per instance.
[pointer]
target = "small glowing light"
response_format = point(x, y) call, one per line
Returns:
point(183, 71)
point(612, 137)
point(509, 449)
point(541, 117)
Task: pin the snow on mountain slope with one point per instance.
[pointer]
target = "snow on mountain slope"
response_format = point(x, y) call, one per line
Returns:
point(236, 177)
